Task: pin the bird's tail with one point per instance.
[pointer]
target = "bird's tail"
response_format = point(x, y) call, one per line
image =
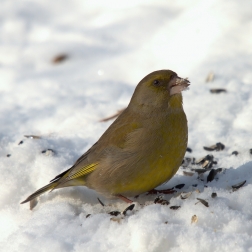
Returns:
point(42, 190)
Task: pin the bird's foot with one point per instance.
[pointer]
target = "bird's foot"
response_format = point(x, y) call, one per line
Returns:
point(124, 198)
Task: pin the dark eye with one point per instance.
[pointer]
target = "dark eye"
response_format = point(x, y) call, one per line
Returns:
point(156, 83)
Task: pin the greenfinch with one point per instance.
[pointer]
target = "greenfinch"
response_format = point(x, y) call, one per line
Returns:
point(141, 149)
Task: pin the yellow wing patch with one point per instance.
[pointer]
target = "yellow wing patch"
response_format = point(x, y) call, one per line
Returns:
point(83, 171)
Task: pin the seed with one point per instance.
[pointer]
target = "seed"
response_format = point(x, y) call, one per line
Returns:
point(218, 90)
point(214, 195)
point(204, 202)
point(175, 207)
point(239, 185)
point(194, 219)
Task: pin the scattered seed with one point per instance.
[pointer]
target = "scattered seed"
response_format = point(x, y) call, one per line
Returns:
point(210, 77)
point(8, 155)
point(189, 149)
point(32, 136)
point(48, 152)
point(129, 208)
point(21, 142)
point(185, 196)
point(194, 219)
point(206, 162)
point(239, 185)
point(100, 202)
point(175, 207)
point(59, 58)
point(114, 213)
point(214, 195)
point(217, 147)
point(235, 153)
point(116, 219)
point(161, 200)
point(211, 175)
point(205, 203)
point(200, 171)
point(186, 173)
point(218, 90)
point(179, 186)
point(88, 215)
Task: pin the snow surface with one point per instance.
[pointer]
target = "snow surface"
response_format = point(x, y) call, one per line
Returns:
point(111, 45)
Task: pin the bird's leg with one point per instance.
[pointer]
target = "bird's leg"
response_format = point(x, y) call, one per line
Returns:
point(124, 198)
point(166, 191)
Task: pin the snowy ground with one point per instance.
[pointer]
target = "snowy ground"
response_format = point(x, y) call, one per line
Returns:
point(110, 47)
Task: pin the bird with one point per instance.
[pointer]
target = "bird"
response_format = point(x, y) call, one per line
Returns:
point(142, 149)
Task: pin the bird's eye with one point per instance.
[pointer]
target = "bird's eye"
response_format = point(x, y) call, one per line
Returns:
point(156, 82)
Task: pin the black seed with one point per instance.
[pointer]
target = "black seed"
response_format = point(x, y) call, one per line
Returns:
point(218, 90)
point(100, 202)
point(179, 186)
point(160, 200)
point(235, 153)
point(214, 195)
point(8, 155)
point(211, 175)
point(250, 151)
point(189, 149)
point(21, 142)
point(195, 185)
point(200, 171)
point(217, 147)
point(205, 203)
point(88, 215)
point(114, 213)
point(175, 207)
point(48, 152)
point(129, 208)
point(239, 185)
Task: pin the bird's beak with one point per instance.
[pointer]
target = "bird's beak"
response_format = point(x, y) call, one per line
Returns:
point(177, 85)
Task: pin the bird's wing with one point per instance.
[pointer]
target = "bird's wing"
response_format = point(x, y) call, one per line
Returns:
point(116, 136)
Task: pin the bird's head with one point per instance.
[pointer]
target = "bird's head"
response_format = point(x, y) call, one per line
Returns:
point(160, 88)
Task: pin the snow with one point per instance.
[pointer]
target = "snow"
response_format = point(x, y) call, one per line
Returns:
point(111, 46)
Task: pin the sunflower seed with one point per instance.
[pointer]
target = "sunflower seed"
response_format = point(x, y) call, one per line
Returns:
point(175, 207)
point(129, 208)
point(235, 153)
point(214, 195)
point(210, 77)
point(185, 196)
point(217, 147)
point(59, 58)
point(205, 203)
point(48, 152)
point(186, 173)
point(114, 213)
point(218, 90)
point(194, 219)
point(189, 149)
point(239, 185)
point(100, 202)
